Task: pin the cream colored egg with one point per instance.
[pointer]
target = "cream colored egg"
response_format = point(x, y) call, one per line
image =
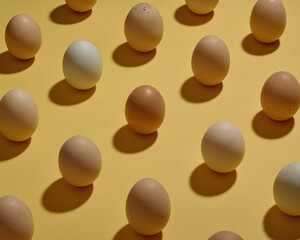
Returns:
point(268, 20)
point(148, 207)
point(210, 60)
point(81, 5)
point(143, 27)
point(16, 221)
point(18, 115)
point(201, 6)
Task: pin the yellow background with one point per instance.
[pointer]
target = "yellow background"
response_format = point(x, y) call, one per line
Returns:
point(202, 202)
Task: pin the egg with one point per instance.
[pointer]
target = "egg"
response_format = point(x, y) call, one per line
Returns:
point(280, 96)
point(210, 60)
point(148, 207)
point(82, 65)
point(16, 221)
point(143, 27)
point(268, 20)
point(81, 5)
point(201, 6)
point(145, 109)
point(23, 37)
point(223, 147)
point(225, 235)
point(18, 115)
point(79, 161)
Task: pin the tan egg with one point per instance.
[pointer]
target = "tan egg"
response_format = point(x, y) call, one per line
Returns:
point(23, 37)
point(18, 115)
point(225, 235)
point(145, 110)
point(79, 161)
point(210, 60)
point(268, 20)
point(16, 221)
point(81, 5)
point(201, 6)
point(280, 96)
point(143, 27)
point(148, 207)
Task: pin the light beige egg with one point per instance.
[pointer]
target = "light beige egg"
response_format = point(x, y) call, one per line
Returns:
point(268, 20)
point(225, 235)
point(16, 221)
point(143, 27)
point(210, 60)
point(148, 207)
point(18, 115)
point(81, 5)
point(201, 6)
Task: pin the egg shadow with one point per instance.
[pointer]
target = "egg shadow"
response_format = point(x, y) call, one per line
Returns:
point(127, 141)
point(127, 233)
point(280, 226)
point(206, 182)
point(185, 16)
point(251, 45)
point(61, 196)
point(64, 15)
point(193, 91)
point(63, 93)
point(10, 64)
point(125, 56)
point(268, 128)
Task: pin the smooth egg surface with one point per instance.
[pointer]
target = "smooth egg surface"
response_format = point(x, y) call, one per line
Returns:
point(225, 235)
point(81, 5)
point(201, 6)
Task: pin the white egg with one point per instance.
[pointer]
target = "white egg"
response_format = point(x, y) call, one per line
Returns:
point(82, 65)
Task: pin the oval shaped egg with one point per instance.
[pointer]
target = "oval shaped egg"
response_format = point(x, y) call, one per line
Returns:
point(225, 235)
point(268, 20)
point(143, 27)
point(210, 60)
point(201, 6)
point(18, 115)
point(280, 96)
point(23, 37)
point(286, 189)
point(79, 161)
point(148, 207)
point(81, 5)
point(82, 65)
point(145, 110)
point(16, 221)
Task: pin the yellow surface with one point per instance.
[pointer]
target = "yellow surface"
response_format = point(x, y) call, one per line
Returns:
point(202, 202)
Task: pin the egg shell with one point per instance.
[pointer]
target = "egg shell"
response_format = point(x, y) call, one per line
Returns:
point(201, 6)
point(286, 189)
point(268, 20)
point(80, 161)
point(145, 109)
point(210, 60)
point(280, 96)
point(23, 37)
point(18, 115)
point(225, 235)
point(223, 147)
point(143, 27)
point(82, 65)
point(16, 221)
point(148, 207)
point(81, 5)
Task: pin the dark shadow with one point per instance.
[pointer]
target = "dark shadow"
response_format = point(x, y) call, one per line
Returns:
point(10, 64)
point(64, 15)
point(185, 16)
point(128, 141)
point(268, 128)
point(206, 182)
point(126, 233)
point(255, 47)
point(10, 149)
point(280, 226)
point(125, 56)
point(63, 93)
point(193, 91)
point(61, 196)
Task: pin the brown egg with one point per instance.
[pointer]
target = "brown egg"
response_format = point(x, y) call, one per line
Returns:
point(201, 6)
point(143, 27)
point(280, 96)
point(268, 20)
point(145, 110)
point(225, 235)
point(81, 5)
point(23, 37)
point(16, 221)
point(148, 207)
